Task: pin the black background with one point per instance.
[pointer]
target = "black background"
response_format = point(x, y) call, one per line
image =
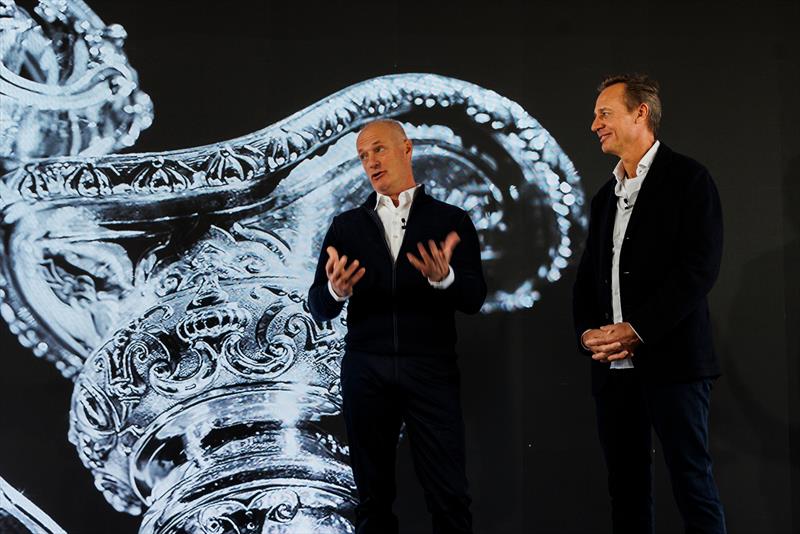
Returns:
point(730, 76)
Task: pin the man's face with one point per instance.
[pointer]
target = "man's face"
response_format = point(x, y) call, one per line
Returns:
point(386, 158)
point(616, 127)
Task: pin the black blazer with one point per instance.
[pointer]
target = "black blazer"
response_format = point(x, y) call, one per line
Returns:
point(393, 308)
point(669, 262)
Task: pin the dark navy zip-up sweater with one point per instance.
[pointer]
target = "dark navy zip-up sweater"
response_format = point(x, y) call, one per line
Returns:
point(393, 308)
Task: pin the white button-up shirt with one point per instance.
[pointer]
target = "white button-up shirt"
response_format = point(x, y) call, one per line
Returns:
point(626, 190)
point(393, 218)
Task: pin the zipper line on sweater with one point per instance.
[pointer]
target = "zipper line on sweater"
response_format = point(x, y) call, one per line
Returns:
point(374, 216)
point(376, 219)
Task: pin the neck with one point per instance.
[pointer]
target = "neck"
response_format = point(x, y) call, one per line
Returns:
point(632, 156)
point(396, 195)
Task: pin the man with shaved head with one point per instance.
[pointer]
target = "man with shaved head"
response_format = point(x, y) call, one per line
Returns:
point(404, 262)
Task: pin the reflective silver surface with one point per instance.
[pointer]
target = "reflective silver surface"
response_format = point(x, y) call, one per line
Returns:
point(171, 288)
point(66, 87)
point(18, 515)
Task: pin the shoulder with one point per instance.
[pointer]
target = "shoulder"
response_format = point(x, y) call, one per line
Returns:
point(343, 224)
point(351, 216)
point(442, 210)
point(604, 193)
point(606, 189)
point(445, 208)
point(684, 169)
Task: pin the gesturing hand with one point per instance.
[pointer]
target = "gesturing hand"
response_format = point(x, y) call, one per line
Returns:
point(342, 276)
point(435, 264)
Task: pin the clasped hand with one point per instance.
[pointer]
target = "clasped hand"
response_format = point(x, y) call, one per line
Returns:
point(611, 342)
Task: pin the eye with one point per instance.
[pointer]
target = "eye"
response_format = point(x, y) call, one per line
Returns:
point(362, 156)
point(379, 149)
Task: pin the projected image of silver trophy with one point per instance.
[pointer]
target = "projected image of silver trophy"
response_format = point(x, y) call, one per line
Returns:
point(170, 287)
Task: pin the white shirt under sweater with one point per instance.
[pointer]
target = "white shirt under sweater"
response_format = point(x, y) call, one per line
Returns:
point(626, 190)
point(393, 219)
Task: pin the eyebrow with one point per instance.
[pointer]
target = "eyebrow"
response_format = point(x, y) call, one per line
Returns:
point(373, 144)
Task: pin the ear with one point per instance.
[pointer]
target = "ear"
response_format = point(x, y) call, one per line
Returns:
point(408, 147)
point(643, 112)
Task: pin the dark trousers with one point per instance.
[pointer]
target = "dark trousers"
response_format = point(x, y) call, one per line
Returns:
point(627, 408)
point(380, 392)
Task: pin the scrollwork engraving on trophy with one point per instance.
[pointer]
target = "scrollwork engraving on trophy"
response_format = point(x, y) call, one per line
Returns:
point(66, 87)
point(200, 392)
point(171, 286)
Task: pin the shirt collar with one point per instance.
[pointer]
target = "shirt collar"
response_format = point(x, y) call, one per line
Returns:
point(641, 168)
point(404, 198)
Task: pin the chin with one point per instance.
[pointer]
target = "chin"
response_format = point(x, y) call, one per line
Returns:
point(608, 149)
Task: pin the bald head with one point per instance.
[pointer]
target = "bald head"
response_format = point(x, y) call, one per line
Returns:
point(385, 152)
point(390, 126)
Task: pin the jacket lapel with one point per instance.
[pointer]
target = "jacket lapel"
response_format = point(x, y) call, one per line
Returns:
point(649, 190)
point(606, 226)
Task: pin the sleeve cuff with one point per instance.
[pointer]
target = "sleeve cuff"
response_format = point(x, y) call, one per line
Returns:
point(336, 297)
point(584, 346)
point(446, 282)
point(637, 333)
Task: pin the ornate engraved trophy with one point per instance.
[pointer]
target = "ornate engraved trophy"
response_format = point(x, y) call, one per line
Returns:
point(171, 287)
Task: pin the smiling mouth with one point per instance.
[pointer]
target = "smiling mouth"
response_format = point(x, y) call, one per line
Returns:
point(604, 137)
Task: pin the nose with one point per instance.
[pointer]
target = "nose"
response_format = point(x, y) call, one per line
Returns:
point(595, 125)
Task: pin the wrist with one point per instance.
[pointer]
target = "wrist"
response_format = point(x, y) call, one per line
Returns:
point(444, 282)
point(335, 294)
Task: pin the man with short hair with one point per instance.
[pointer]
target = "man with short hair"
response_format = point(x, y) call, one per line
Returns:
point(641, 311)
point(405, 263)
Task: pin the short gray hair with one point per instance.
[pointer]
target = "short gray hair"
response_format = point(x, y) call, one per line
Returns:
point(639, 89)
